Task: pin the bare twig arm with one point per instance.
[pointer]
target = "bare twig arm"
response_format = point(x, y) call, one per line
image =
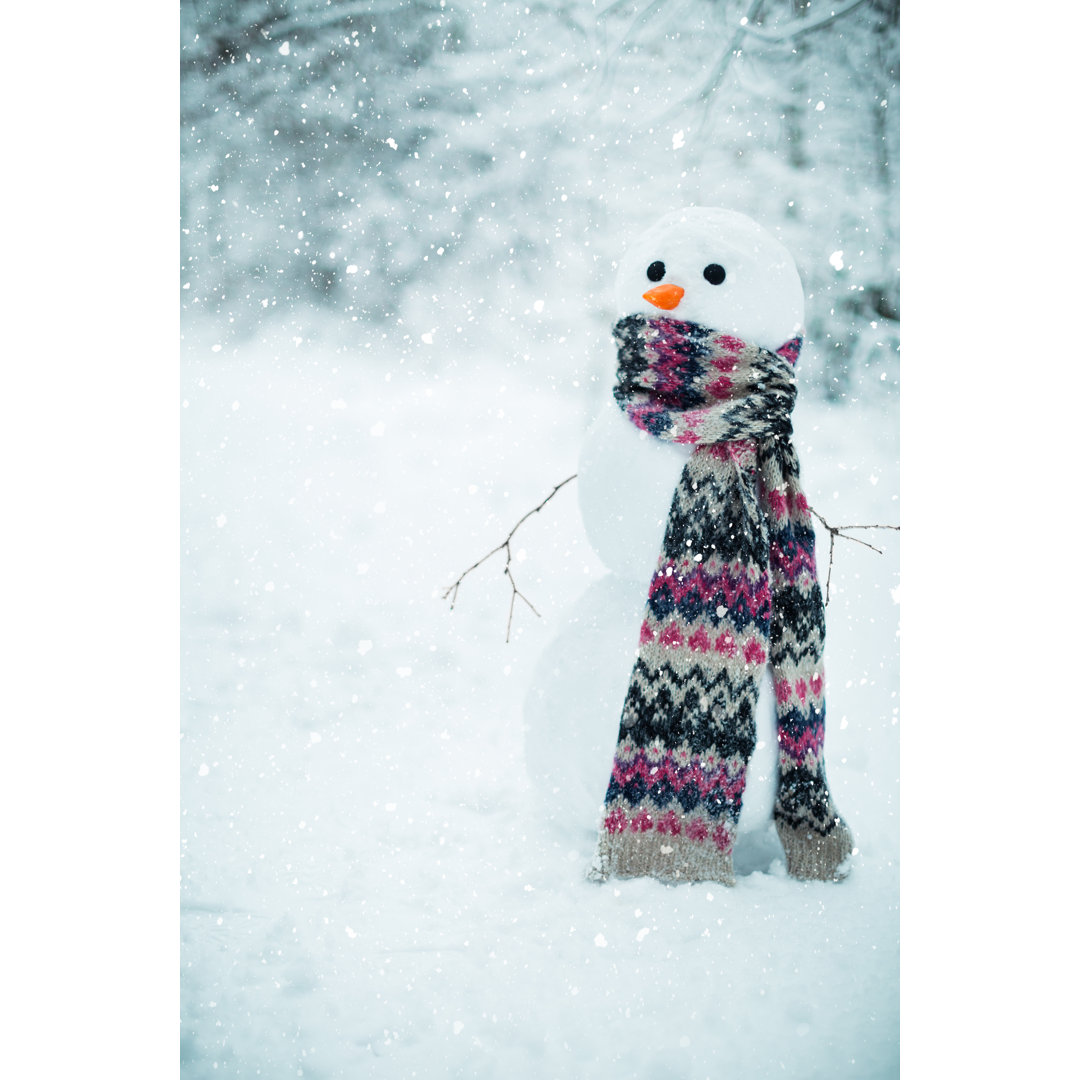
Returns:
point(451, 592)
point(537, 509)
point(895, 528)
point(842, 530)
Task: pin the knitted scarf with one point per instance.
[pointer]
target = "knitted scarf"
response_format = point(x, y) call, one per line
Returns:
point(735, 589)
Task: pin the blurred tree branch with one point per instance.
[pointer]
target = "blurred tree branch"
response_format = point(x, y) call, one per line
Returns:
point(799, 26)
point(749, 25)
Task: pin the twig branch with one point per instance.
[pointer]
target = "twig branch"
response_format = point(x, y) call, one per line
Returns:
point(796, 28)
point(842, 530)
point(716, 76)
point(748, 28)
point(452, 592)
point(642, 17)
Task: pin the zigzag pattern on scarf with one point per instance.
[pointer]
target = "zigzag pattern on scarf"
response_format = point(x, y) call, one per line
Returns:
point(691, 780)
point(704, 520)
point(725, 597)
point(709, 714)
point(789, 652)
point(799, 743)
point(803, 800)
point(791, 553)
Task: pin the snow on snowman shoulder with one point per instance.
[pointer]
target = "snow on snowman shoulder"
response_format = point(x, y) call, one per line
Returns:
point(705, 474)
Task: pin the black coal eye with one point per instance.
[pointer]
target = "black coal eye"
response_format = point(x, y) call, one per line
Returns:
point(656, 271)
point(714, 273)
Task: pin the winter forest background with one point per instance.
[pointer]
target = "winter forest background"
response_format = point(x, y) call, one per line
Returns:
point(373, 159)
point(399, 223)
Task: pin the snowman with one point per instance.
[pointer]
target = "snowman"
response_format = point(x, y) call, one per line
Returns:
point(711, 307)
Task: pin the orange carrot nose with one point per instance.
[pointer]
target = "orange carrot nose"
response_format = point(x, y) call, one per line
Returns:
point(665, 296)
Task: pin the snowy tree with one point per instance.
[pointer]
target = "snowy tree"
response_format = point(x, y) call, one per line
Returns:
point(352, 154)
point(477, 168)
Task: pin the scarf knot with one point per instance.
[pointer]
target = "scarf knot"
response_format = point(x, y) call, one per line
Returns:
point(689, 384)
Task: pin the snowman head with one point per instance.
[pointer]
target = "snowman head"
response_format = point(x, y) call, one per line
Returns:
point(717, 268)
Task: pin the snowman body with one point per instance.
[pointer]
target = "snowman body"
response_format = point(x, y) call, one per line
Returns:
point(720, 269)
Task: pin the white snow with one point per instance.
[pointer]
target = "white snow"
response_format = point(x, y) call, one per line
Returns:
point(431, 918)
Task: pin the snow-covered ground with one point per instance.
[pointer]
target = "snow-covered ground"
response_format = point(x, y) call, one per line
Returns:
point(375, 881)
